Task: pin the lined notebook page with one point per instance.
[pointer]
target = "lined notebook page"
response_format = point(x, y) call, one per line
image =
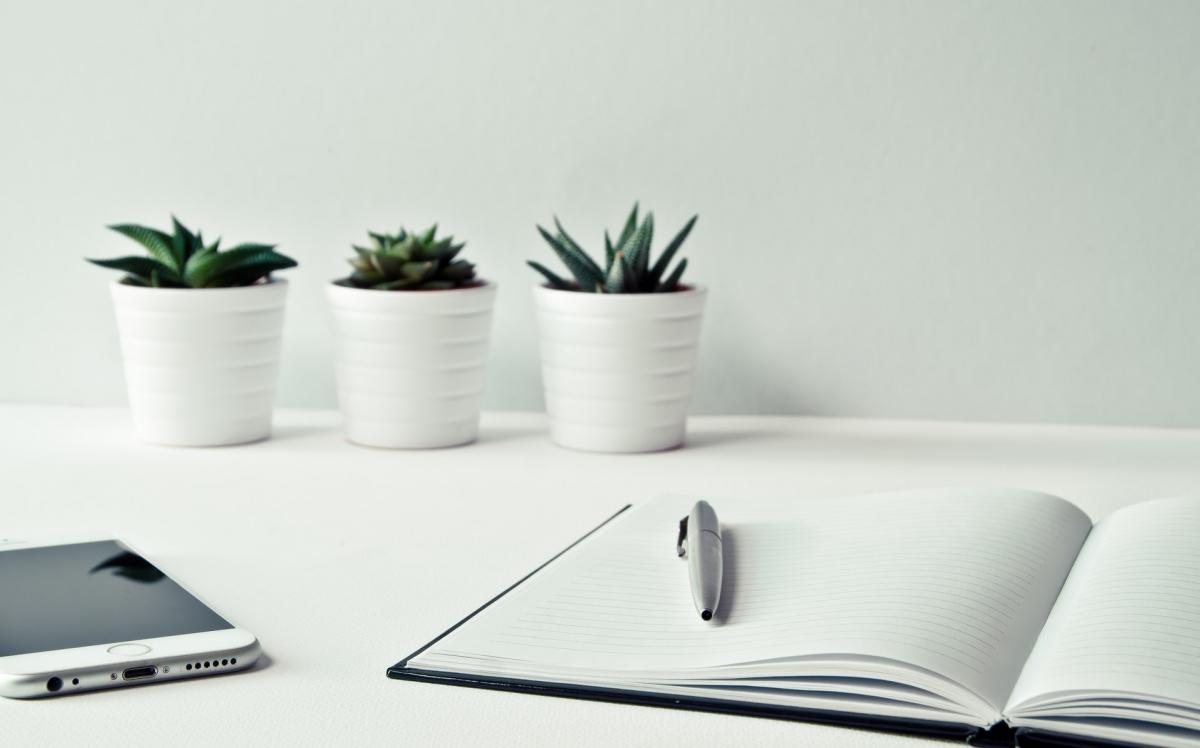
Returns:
point(958, 582)
point(1129, 617)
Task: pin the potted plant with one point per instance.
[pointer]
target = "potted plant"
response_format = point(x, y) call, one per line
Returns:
point(411, 324)
point(200, 333)
point(618, 341)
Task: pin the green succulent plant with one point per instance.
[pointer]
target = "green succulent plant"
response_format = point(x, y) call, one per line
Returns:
point(410, 262)
point(181, 260)
point(627, 267)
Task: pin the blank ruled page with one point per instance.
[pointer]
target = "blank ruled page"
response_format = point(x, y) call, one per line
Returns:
point(956, 582)
point(1128, 620)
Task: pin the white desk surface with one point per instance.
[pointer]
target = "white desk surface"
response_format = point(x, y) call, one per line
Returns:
point(342, 560)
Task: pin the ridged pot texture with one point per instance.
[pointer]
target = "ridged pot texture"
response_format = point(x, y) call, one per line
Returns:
point(411, 364)
point(618, 368)
point(201, 365)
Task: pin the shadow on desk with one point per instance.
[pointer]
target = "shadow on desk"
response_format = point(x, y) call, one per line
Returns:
point(497, 434)
point(297, 433)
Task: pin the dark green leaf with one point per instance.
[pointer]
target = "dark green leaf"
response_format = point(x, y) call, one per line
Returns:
point(566, 239)
point(417, 270)
point(639, 250)
point(182, 243)
point(386, 265)
point(156, 243)
point(589, 276)
point(135, 265)
point(615, 282)
point(366, 277)
point(672, 281)
point(609, 252)
point(459, 270)
point(205, 269)
point(630, 226)
point(245, 275)
point(554, 280)
point(448, 253)
point(199, 256)
point(660, 265)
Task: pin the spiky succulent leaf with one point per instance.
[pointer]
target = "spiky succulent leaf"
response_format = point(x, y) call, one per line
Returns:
point(566, 239)
point(631, 224)
point(410, 261)
point(246, 275)
point(664, 260)
point(366, 278)
point(218, 269)
point(627, 263)
point(417, 271)
point(141, 268)
point(573, 245)
point(638, 249)
point(182, 242)
point(457, 271)
point(672, 281)
point(386, 265)
point(615, 282)
point(448, 252)
point(553, 279)
point(200, 256)
point(181, 260)
point(586, 273)
point(156, 242)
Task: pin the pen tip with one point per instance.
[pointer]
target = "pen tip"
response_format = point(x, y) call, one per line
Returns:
point(706, 614)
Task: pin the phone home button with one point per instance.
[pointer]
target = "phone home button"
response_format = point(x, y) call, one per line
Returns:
point(128, 650)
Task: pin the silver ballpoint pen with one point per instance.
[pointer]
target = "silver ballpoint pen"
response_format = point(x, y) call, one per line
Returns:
point(700, 541)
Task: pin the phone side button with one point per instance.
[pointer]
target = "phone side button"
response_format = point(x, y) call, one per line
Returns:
point(128, 650)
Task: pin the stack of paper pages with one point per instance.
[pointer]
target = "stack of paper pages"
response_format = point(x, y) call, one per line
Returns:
point(945, 610)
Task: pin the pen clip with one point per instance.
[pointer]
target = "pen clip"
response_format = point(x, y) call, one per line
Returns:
point(680, 548)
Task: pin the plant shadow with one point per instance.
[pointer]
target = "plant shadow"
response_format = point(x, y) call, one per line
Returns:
point(296, 433)
point(494, 434)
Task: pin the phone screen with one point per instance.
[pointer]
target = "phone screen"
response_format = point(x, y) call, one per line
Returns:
point(83, 594)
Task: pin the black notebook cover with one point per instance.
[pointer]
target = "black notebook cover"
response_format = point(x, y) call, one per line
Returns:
point(1000, 735)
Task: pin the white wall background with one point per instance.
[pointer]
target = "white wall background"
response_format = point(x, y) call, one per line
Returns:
point(921, 209)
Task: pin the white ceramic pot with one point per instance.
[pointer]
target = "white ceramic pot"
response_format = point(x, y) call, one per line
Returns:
point(617, 369)
point(201, 364)
point(411, 364)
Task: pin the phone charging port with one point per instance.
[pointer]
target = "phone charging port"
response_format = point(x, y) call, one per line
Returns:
point(137, 673)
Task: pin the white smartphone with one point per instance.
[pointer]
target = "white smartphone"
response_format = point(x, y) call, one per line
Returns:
point(85, 613)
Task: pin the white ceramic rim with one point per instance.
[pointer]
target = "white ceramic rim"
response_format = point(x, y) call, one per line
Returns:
point(690, 289)
point(483, 286)
point(273, 283)
point(686, 303)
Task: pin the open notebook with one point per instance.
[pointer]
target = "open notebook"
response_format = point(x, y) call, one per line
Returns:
point(1001, 613)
